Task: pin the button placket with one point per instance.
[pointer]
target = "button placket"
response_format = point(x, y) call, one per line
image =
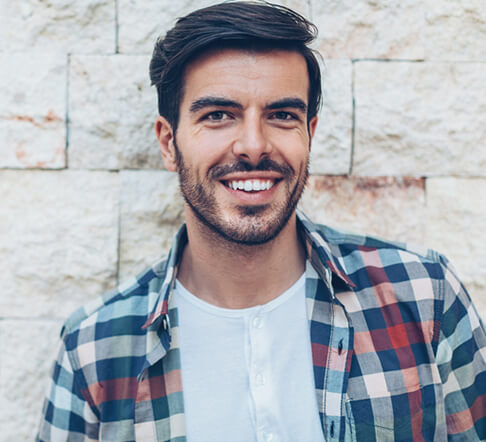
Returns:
point(259, 381)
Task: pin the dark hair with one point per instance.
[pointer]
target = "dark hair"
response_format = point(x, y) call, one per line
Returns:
point(256, 26)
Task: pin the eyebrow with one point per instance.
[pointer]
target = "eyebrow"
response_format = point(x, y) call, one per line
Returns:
point(288, 102)
point(203, 102)
point(291, 102)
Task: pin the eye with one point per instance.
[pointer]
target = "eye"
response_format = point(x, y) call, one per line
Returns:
point(284, 116)
point(217, 116)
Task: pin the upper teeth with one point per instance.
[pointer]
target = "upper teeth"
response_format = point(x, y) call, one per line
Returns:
point(250, 185)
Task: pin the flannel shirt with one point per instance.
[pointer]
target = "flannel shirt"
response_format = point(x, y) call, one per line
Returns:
point(398, 350)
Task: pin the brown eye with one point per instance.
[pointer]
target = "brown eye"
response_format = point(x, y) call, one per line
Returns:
point(217, 116)
point(282, 115)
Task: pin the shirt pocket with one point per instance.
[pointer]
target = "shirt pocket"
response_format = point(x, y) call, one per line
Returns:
point(393, 414)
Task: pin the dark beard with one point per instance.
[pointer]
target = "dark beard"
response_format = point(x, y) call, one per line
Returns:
point(204, 206)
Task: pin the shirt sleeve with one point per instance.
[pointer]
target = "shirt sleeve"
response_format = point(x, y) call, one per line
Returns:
point(66, 415)
point(461, 359)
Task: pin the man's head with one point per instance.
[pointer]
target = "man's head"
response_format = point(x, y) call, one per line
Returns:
point(255, 26)
point(238, 96)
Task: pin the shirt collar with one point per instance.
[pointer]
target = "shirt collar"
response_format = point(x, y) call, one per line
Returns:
point(319, 251)
point(317, 248)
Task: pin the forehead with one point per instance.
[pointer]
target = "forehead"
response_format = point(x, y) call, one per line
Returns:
point(246, 74)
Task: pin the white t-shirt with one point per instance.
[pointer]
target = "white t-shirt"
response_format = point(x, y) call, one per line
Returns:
point(247, 374)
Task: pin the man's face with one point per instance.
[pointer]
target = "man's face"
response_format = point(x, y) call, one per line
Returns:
point(242, 142)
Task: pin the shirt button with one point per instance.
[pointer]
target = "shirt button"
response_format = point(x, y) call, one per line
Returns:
point(259, 379)
point(267, 437)
point(257, 322)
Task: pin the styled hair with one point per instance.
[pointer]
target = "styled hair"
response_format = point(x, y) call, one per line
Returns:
point(247, 25)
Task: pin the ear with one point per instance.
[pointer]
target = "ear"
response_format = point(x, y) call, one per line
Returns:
point(165, 136)
point(312, 130)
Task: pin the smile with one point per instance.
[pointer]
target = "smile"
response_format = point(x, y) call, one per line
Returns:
point(250, 185)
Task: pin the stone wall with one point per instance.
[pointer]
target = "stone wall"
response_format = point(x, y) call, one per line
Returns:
point(400, 152)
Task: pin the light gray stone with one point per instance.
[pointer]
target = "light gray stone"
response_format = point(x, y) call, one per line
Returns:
point(456, 221)
point(142, 22)
point(369, 29)
point(58, 240)
point(57, 25)
point(32, 110)
point(421, 119)
point(28, 348)
point(386, 207)
point(152, 211)
point(455, 30)
point(112, 114)
point(331, 147)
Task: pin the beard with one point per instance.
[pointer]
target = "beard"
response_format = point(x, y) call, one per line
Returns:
point(254, 224)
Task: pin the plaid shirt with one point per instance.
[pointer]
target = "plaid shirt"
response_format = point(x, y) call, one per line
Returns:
point(399, 351)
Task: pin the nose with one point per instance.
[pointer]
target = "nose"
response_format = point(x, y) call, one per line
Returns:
point(252, 143)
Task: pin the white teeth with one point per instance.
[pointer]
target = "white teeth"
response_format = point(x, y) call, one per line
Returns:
point(250, 185)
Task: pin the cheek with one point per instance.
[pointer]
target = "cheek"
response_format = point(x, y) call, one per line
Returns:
point(294, 150)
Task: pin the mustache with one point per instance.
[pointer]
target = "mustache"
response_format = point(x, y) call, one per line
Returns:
point(268, 165)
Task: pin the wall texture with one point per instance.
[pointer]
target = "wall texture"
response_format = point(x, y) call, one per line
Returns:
point(400, 152)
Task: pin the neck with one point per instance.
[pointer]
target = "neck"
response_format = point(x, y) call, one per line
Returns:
point(234, 275)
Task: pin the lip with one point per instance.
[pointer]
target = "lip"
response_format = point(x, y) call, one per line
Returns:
point(252, 176)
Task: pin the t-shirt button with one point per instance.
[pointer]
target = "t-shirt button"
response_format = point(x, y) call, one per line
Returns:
point(259, 379)
point(257, 322)
point(267, 437)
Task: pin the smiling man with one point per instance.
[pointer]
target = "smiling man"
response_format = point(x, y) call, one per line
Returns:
point(260, 325)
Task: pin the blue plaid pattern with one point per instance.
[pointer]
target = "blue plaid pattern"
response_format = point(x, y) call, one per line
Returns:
point(399, 351)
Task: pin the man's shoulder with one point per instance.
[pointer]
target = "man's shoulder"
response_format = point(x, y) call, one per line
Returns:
point(370, 260)
point(127, 306)
point(344, 243)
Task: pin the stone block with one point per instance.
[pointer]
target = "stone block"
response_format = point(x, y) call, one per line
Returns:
point(455, 30)
point(142, 22)
point(57, 25)
point(456, 220)
point(152, 210)
point(58, 240)
point(420, 119)
point(28, 348)
point(387, 207)
point(32, 110)
point(331, 147)
point(369, 29)
point(112, 114)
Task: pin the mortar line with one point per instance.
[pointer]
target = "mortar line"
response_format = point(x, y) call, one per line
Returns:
point(30, 319)
point(391, 60)
point(353, 121)
point(66, 145)
point(117, 48)
point(119, 231)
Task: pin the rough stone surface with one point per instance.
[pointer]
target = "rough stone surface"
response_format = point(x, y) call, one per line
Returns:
point(57, 25)
point(32, 110)
point(58, 240)
point(456, 221)
point(151, 213)
point(386, 207)
point(142, 22)
point(369, 29)
point(28, 348)
point(455, 30)
point(112, 113)
point(421, 119)
point(331, 148)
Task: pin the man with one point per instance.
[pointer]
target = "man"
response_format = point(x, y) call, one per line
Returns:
point(261, 325)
